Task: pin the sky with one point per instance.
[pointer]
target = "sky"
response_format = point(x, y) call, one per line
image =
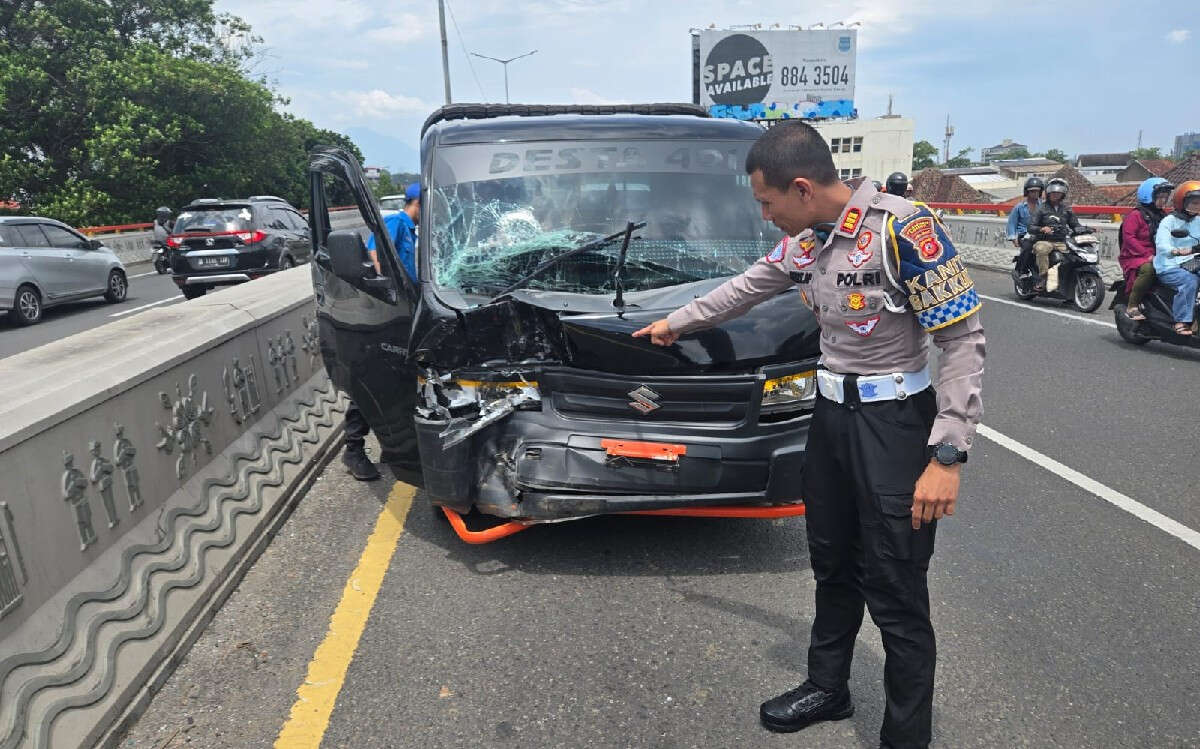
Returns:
point(1080, 76)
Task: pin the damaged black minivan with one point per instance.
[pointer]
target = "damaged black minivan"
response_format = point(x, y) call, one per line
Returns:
point(505, 378)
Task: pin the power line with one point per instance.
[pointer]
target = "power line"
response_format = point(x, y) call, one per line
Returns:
point(461, 43)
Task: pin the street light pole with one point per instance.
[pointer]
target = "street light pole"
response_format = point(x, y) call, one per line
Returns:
point(505, 64)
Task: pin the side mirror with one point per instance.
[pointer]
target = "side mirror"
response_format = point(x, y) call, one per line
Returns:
point(94, 244)
point(1179, 233)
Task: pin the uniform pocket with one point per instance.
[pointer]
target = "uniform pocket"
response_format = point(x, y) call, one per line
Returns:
point(897, 539)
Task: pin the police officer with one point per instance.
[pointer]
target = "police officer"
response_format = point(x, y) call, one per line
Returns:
point(897, 184)
point(884, 448)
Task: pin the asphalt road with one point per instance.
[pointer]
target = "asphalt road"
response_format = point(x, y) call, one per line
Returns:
point(147, 290)
point(1063, 619)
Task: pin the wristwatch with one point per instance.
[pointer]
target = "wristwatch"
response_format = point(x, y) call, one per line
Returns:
point(945, 453)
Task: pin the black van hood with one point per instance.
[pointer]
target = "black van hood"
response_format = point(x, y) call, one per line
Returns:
point(532, 328)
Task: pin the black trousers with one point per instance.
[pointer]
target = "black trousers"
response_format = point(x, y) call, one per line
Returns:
point(1025, 258)
point(862, 463)
point(357, 429)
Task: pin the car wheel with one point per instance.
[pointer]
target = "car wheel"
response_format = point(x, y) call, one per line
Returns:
point(28, 307)
point(192, 292)
point(118, 287)
point(286, 262)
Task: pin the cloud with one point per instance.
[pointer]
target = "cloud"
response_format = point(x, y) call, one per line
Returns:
point(1178, 36)
point(378, 104)
point(407, 28)
point(587, 96)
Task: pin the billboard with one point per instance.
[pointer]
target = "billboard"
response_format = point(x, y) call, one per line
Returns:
point(768, 75)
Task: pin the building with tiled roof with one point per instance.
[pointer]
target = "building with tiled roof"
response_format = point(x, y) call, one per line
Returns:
point(1143, 169)
point(1080, 191)
point(1116, 193)
point(933, 186)
point(1187, 169)
point(1022, 168)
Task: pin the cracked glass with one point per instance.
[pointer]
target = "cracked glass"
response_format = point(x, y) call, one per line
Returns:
point(498, 210)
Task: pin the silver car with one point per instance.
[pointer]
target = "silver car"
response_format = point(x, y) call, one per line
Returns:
point(44, 262)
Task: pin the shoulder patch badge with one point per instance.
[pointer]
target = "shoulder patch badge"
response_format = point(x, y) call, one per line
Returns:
point(850, 222)
point(804, 258)
point(776, 255)
point(865, 239)
point(863, 328)
point(859, 256)
point(922, 233)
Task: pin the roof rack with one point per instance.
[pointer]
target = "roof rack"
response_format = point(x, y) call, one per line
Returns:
point(487, 111)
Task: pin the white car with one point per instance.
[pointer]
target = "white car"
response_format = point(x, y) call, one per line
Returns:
point(389, 204)
point(44, 262)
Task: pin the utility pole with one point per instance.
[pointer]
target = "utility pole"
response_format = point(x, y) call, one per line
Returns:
point(1139, 140)
point(445, 48)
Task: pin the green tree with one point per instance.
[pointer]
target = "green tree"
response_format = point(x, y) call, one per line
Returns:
point(1153, 152)
point(111, 107)
point(1055, 154)
point(924, 154)
point(961, 160)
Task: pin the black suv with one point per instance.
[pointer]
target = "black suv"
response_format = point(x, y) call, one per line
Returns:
point(218, 242)
point(506, 378)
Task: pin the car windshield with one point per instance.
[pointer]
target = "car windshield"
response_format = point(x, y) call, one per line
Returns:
point(214, 219)
point(497, 211)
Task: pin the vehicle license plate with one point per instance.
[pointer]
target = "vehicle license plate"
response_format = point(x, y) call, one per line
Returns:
point(212, 262)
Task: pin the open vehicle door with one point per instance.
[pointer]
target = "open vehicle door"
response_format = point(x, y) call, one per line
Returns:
point(364, 314)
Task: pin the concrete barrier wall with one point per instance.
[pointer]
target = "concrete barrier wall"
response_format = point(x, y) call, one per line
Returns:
point(142, 460)
point(137, 246)
point(981, 240)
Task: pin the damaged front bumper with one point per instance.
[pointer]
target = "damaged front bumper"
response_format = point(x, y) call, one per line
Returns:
point(542, 451)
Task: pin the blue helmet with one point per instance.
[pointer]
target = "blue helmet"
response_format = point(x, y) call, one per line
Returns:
point(1149, 190)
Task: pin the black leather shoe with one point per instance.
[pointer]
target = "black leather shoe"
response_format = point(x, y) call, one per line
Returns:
point(803, 706)
point(359, 465)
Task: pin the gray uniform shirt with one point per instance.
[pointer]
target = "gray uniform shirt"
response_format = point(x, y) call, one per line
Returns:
point(886, 281)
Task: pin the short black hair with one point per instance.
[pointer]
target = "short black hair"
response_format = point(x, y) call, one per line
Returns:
point(789, 150)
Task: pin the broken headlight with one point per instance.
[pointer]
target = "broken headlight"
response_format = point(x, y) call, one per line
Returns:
point(789, 393)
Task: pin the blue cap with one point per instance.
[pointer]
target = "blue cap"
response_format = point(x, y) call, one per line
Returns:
point(413, 192)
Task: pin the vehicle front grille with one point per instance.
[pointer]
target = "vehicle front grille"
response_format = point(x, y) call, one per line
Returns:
point(600, 395)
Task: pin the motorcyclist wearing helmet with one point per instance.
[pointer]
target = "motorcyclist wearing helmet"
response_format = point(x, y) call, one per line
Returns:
point(1050, 224)
point(1136, 240)
point(897, 184)
point(1021, 216)
point(1177, 260)
point(162, 225)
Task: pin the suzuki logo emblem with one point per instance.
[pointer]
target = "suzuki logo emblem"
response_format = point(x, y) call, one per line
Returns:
point(644, 400)
point(210, 241)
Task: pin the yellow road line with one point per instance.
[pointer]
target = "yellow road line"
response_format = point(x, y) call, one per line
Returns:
point(306, 725)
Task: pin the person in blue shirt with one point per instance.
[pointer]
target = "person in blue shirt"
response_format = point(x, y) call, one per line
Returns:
point(1175, 261)
point(1020, 218)
point(402, 225)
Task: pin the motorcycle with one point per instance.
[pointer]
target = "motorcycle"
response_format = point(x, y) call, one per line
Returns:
point(1159, 324)
point(159, 256)
point(1074, 272)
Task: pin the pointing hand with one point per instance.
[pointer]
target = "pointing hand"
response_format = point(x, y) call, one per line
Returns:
point(660, 333)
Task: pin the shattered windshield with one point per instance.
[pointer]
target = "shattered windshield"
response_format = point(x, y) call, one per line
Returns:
point(498, 210)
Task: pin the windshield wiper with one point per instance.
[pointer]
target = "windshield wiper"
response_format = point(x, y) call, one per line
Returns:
point(595, 244)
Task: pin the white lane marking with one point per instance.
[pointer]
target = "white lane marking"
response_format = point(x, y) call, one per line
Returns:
point(143, 275)
point(1033, 308)
point(1112, 496)
point(145, 306)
